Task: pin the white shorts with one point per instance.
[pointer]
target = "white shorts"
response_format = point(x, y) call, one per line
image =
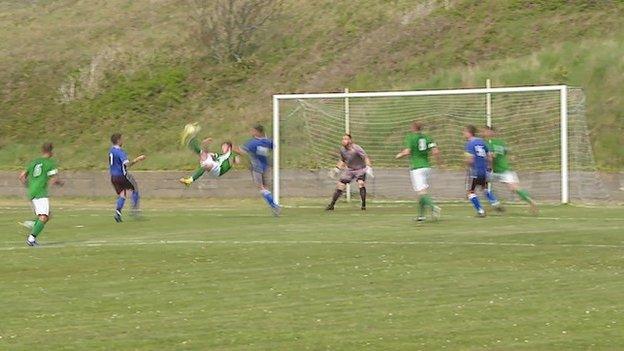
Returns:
point(420, 178)
point(508, 177)
point(41, 206)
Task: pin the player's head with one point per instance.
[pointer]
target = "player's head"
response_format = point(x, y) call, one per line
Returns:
point(257, 130)
point(226, 146)
point(47, 148)
point(116, 139)
point(488, 132)
point(470, 131)
point(347, 140)
point(417, 126)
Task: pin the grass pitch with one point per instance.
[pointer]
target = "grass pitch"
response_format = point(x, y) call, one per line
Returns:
point(206, 275)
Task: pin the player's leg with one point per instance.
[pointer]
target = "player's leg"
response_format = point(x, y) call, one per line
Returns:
point(420, 184)
point(345, 179)
point(42, 210)
point(119, 183)
point(510, 178)
point(472, 196)
point(206, 163)
point(489, 194)
point(135, 196)
point(361, 181)
point(259, 179)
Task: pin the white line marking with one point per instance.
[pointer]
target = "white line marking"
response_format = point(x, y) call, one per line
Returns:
point(302, 242)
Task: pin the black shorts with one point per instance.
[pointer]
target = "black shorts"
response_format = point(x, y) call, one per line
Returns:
point(476, 181)
point(123, 183)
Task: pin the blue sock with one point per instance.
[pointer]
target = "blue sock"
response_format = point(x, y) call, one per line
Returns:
point(475, 202)
point(120, 203)
point(491, 198)
point(135, 199)
point(268, 198)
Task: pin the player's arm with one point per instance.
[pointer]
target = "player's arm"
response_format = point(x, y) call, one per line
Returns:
point(135, 160)
point(436, 154)
point(23, 177)
point(468, 159)
point(403, 153)
point(56, 180)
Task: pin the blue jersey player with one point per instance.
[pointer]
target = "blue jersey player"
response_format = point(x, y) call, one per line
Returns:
point(258, 149)
point(120, 178)
point(478, 162)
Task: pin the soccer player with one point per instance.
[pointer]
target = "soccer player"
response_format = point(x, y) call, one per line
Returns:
point(355, 165)
point(38, 174)
point(120, 178)
point(418, 146)
point(214, 163)
point(501, 171)
point(478, 161)
point(258, 149)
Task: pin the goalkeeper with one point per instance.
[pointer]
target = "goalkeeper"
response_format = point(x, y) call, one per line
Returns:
point(214, 163)
point(501, 171)
point(354, 165)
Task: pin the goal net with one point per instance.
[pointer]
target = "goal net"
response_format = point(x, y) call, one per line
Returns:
point(544, 127)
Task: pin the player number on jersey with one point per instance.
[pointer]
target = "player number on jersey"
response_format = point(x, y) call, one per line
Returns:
point(37, 170)
point(110, 158)
point(480, 151)
point(262, 151)
point(422, 144)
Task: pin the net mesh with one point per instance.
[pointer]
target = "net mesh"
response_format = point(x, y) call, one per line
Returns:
point(311, 130)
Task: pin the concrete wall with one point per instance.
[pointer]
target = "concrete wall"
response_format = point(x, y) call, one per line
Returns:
point(388, 183)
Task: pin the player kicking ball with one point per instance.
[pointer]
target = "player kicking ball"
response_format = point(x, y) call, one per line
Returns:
point(120, 178)
point(478, 162)
point(38, 174)
point(354, 165)
point(418, 146)
point(501, 171)
point(214, 163)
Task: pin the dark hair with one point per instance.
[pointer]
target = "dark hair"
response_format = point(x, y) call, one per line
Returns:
point(471, 129)
point(229, 143)
point(258, 127)
point(349, 135)
point(489, 128)
point(115, 138)
point(47, 147)
point(417, 125)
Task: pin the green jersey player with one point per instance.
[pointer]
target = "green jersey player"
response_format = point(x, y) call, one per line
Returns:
point(36, 177)
point(501, 170)
point(216, 164)
point(418, 146)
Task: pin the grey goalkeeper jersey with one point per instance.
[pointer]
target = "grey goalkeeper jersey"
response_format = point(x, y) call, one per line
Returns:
point(354, 157)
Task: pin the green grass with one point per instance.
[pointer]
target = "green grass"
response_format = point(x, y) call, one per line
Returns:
point(223, 275)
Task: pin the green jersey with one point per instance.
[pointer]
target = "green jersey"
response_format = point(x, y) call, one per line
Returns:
point(420, 146)
point(225, 162)
point(38, 174)
point(499, 150)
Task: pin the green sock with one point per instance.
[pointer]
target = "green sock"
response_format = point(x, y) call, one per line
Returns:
point(524, 195)
point(37, 228)
point(198, 173)
point(195, 146)
point(421, 207)
point(427, 201)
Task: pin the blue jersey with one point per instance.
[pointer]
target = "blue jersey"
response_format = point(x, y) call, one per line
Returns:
point(479, 151)
point(258, 150)
point(117, 160)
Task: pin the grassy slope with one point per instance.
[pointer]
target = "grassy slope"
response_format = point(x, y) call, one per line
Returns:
point(151, 78)
point(232, 278)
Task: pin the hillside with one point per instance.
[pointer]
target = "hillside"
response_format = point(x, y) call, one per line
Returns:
point(74, 71)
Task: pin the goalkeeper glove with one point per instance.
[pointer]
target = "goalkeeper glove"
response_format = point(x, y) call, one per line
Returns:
point(369, 172)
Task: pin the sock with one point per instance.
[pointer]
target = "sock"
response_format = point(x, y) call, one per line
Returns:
point(31, 238)
point(120, 203)
point(363, 196)
point(426, 200)
point(475, 202)
point(37, 228)
point(524, 195)
point(421, 206)
point(198, 173)
point(491, 198)
point(135, 199)
point(336, 196)
point(195, 146)
point(268, 198)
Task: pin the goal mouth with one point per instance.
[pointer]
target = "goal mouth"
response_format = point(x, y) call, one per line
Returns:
point(544, 128)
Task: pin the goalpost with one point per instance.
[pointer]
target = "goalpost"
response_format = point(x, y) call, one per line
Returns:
point(535, 121)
